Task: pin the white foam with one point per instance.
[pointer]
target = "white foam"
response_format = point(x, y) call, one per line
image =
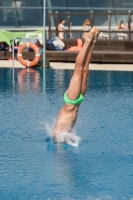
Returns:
point(69, 138)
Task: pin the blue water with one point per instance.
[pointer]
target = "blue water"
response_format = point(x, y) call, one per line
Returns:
point(32, 167)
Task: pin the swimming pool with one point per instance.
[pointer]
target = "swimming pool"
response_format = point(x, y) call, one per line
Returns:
point(32, 167)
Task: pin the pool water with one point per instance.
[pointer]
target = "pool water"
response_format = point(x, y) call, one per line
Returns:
point(33, 167)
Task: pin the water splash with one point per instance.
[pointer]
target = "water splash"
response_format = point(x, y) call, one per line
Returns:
point(69, 138)
point(63, 137)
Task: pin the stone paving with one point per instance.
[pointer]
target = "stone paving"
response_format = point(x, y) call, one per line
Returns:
point(63, 65)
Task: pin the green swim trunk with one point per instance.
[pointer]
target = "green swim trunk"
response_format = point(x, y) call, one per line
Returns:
point(69, 101)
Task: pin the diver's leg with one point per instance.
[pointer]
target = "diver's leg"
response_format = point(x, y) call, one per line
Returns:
point(86, 66)
point(76, 81)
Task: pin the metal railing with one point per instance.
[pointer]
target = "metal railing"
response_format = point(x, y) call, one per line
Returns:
point(92, 15)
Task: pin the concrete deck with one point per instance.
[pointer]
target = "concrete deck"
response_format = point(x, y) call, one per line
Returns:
point(62, 65)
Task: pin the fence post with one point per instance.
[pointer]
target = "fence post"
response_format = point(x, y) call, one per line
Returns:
point(68, 24)
point(129, 25)
point(92, 18)
point(49, 24)
point(56, 18)
point(109, 23)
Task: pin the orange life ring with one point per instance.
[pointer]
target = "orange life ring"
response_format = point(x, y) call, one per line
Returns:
point(20, 56)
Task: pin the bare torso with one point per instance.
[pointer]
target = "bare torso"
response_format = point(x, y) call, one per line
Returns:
point(66, 118)
point(77, 87)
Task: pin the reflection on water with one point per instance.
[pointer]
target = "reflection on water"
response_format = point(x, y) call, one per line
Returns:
point(28, 79)
point(32, 167)
point(102, 80)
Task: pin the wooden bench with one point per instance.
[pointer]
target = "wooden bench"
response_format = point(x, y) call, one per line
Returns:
point(97, 56)
point(5, 55)
point(105, 51)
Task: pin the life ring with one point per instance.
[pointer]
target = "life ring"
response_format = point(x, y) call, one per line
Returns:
point(35, 61)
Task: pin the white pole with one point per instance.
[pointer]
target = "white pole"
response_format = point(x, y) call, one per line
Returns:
point(13, 58)
point(44, 44)
point(13, 53)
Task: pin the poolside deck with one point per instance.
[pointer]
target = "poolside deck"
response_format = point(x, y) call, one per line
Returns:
point(66, 65)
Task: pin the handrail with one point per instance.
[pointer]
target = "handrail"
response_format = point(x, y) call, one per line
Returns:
point(92, 15)
point(106, 31)
point(88, 13)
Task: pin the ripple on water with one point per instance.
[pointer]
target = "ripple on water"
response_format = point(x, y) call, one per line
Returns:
point(32, 167)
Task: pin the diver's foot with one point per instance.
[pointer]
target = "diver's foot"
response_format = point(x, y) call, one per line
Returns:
point(88, 37)
point(96, 35)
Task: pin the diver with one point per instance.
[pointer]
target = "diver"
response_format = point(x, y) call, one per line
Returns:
point(77, 87)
